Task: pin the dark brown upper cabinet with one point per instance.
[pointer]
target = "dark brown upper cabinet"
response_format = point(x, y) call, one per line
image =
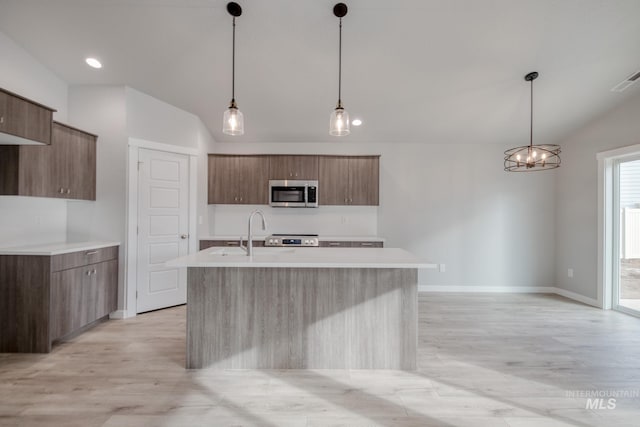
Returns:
point(342, 180)
point(235, 179)
point(73, 172)
point(349, 180)
point(23, 121)
point(293, 167)
point(65, 169)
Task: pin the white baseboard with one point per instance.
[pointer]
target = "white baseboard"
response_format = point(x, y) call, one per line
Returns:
point(120, 314)
point(577, 297)
point(513, 290)
point(496, 289)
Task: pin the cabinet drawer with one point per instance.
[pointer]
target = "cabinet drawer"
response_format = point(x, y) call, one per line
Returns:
point(367, 244)
point(78, 259)
point(334, 244)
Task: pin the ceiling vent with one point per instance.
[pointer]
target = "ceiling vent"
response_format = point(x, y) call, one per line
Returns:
point(623, 85)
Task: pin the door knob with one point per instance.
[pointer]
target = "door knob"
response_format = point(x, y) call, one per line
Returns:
point(184, 236)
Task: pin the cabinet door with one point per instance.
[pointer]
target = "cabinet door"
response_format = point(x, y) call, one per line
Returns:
point(293, 167)
point(3, 111)
point(15, 116)
point(62, 153)
point(333, 181)
point(103, 296)
point(222, 180)
point(253, 180)
point(82, 168)
point(35, 167)
point(25, 119)
point(364, 181)
point(67, 313)
point(38, 123)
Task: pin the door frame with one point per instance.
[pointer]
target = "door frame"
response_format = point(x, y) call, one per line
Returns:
point(608, 221)
point(131, 249)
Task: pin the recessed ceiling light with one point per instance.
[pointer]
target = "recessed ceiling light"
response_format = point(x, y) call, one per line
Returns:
point(356, 122)
point(93, 62)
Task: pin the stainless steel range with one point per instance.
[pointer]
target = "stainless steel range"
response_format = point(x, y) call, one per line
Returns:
point(309, 240)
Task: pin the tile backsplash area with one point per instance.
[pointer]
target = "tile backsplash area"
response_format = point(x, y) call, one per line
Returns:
point(231, 220)
point(32, 220)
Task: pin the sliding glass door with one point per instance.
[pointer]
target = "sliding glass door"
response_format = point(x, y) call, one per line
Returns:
point(626, 284)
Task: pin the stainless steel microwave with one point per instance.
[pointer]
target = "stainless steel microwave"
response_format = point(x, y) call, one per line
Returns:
point(293, 193)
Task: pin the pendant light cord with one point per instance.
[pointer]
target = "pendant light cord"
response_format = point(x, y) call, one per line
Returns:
point(531, 119)
point(340, 67)
point(233, 64)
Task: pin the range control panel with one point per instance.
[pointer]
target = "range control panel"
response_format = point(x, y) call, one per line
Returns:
point(291, 240)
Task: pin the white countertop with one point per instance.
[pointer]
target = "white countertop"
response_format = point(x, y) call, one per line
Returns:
point(303, 258)
point(49, 249)
point(321, 238)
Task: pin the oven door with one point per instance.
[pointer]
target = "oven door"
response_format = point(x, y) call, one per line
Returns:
point(286, 194)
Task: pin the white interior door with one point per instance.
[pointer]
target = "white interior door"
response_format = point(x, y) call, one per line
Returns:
point(163, 228)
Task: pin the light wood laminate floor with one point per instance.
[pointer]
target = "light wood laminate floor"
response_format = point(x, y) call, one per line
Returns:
point(484, 360)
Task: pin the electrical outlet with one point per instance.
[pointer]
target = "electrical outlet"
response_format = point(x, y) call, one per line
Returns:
point(441, 268)
point(570, 273)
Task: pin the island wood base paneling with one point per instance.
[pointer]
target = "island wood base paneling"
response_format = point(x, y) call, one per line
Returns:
point(302, 318)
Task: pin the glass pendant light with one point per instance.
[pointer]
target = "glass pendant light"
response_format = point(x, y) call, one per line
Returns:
point(339, 120)
point(531, 158)
point(233, 121)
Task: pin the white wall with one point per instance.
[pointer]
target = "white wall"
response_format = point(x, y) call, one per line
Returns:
point(28, 220)
point(117, 113)
point(21, 73)
point(576, 204)
point(450, 204)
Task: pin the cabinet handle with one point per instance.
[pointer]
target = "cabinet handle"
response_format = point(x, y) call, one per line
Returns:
point(231, 243)
point(95, 271)
point(366, 244)
point(89, 273)
point(91, 253)
point(184, 236)
point(1, 120)
point(290, 174)
point(351, 200)
point(335, 244)
point(61, 191)
point(68, 191)
point(346, 200)
point(240, 198)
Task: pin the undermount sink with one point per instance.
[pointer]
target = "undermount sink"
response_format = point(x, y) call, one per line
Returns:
point(256, 251)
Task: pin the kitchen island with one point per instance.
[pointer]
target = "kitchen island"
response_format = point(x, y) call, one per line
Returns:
point(302, 308)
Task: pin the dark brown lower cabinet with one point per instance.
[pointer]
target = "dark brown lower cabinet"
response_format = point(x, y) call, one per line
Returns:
point(82, 295)
point(45, 298)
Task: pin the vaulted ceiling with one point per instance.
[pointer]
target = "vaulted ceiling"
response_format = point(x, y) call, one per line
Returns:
point(431, 71)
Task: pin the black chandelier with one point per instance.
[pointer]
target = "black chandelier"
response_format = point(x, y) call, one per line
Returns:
point(530, 158)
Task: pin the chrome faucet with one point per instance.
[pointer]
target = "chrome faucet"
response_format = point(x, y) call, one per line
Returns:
point(249, 247)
